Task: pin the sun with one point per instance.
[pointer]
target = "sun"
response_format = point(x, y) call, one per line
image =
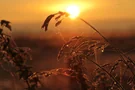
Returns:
point(73, 11)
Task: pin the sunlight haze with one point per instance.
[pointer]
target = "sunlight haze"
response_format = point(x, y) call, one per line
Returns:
point(103, 14)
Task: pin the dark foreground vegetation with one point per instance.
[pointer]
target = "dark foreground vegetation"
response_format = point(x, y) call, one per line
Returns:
point(75, 54)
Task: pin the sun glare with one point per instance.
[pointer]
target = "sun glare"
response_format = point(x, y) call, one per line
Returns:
point(73, 11)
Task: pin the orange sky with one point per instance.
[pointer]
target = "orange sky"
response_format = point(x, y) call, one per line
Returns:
point(22, 10)
point(103, 14)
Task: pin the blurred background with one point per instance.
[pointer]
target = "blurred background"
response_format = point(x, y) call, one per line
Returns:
point(114, 19)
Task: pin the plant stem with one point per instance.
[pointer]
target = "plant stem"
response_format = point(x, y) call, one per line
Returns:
point(108, 74)
point(116, 49)
point(94, 29)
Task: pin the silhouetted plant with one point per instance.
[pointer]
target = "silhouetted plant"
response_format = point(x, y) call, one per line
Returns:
point(5, 23)
point(18, 56)
point(74, 53)
point(58, 16)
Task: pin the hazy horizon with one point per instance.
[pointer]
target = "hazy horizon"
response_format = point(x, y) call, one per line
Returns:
point(106, 15)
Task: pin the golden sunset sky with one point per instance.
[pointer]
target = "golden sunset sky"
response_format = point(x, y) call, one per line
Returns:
point(103, 14)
